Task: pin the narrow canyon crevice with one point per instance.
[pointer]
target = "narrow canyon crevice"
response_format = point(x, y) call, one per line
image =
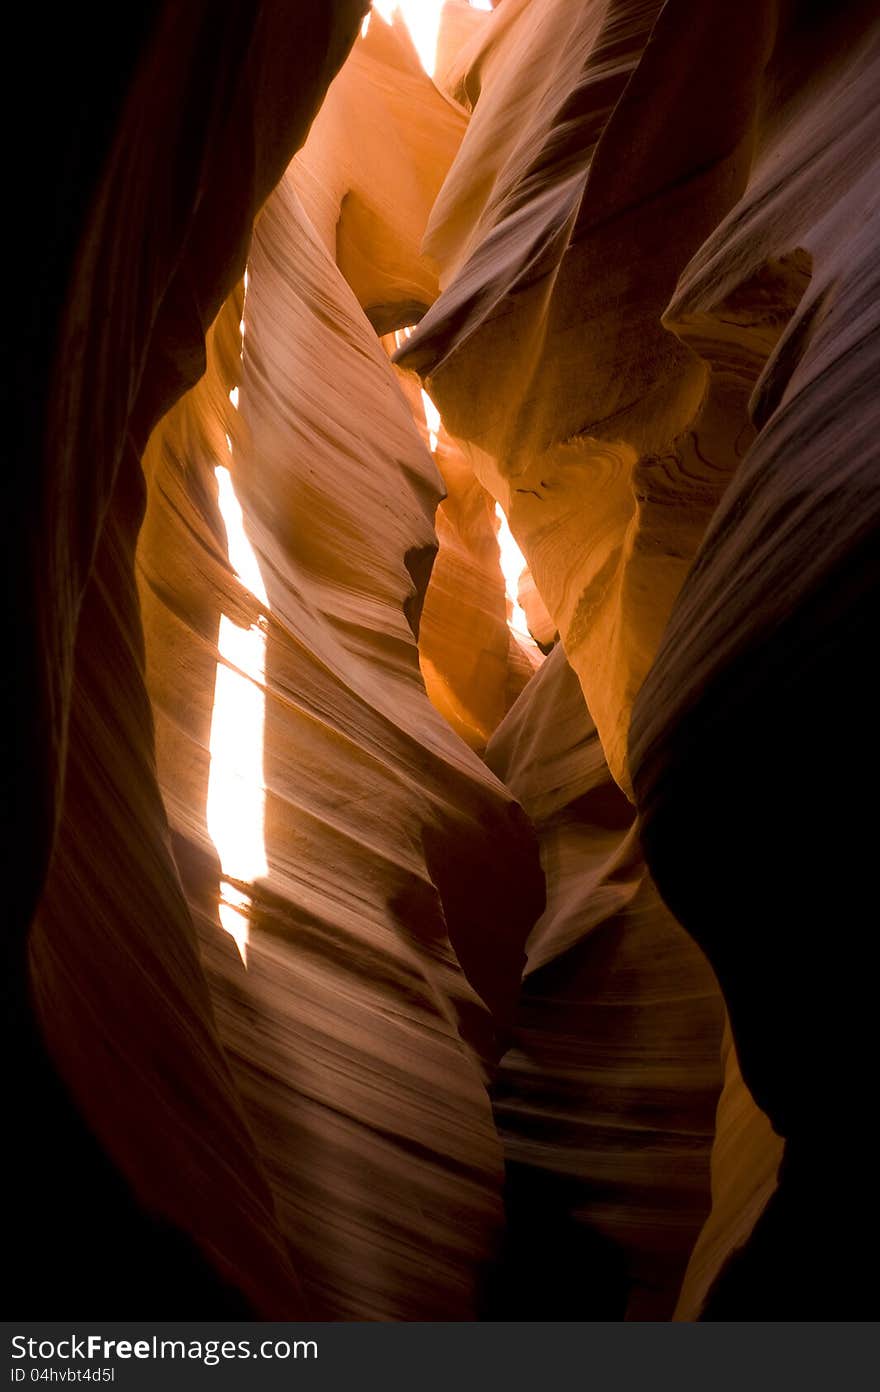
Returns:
point(443, 576)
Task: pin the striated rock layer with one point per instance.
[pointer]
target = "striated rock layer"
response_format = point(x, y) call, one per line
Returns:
point(370, 171)
point(582, 186)
point(473, 666)
point(629, 295)
point(751, 754)
point(138, 1187)
point(606, 1098)
point(391, 853)
point(269, 909)
point(545, 352)
point(745, 1161)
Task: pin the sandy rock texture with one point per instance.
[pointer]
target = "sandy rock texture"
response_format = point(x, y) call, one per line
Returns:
point(580, 190)
point(138, 1183)
point(472, 664)
point(745, 1162)
point(357, 1043)
point(371, 168)
point(606, 1098)
point(367, 179)
point(362, 963)
point(638, 306)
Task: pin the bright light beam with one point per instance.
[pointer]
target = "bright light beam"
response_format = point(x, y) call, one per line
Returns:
point(236, 810)
point(432, 421)
point(511, 559)
point(513, 563)
point(422, 19)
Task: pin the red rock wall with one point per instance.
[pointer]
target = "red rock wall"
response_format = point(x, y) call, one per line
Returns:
point(142, 1188)
point(640, 241)
point(357, 1043)
point(606, 1098)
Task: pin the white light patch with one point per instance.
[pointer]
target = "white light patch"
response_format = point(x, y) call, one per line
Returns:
point(236, 810)
point(513, 563)
point(422, 19)
point(401, 335)
point(432, 420)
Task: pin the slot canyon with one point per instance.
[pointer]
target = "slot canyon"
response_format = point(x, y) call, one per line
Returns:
point(442, 567)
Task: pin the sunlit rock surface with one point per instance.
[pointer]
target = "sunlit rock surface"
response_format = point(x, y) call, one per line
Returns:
point(137, 1183)
point(371, 169)
point(629, 294)
point(367, 179)
point(270, 910)
point(460, 22)
point(472, 664)
point(581, 188)
point(606, 1098)
point(354, 1037)
point(745, 1161)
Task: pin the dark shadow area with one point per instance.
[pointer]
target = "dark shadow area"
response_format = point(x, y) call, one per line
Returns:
point(550, 1266)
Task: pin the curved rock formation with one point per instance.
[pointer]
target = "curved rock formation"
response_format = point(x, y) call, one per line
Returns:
point(606, 1098)
point(138, 1171)
point(581, 188)
point(745, 1161)
point(473, 666)
point(274, 920)
point(371, 169)
point(769, 650)
point(369, 1111)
